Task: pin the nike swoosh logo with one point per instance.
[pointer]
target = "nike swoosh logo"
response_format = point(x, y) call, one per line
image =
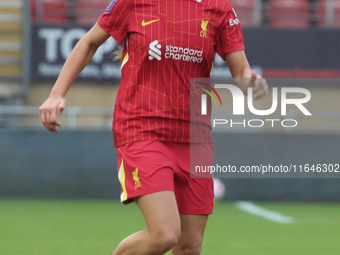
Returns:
point(149, 22)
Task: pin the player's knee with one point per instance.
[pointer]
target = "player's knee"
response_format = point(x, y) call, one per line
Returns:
point(165, 240)
point(170, 240)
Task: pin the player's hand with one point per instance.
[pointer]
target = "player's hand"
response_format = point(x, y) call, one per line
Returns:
point(254, 80)
point(48, 111)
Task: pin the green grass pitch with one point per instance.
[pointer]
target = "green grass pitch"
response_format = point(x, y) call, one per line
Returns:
point(84, 227)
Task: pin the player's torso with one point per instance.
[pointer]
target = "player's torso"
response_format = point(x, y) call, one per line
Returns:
point(168, 42)
point(177, 36)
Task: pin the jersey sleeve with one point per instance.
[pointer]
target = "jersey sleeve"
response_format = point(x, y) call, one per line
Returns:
point(230, 37)
point(115, 19)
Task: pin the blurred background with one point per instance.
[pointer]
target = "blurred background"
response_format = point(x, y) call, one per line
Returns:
point(59, 192)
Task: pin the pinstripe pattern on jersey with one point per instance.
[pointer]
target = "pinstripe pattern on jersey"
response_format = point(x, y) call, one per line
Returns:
point(153, 102)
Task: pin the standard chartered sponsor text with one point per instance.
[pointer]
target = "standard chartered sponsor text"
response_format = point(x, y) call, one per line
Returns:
point(185, 54)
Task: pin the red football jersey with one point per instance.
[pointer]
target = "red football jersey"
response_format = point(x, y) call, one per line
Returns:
point(167, 42)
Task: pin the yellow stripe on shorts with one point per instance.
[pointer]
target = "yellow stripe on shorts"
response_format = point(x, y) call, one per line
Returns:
point(121, 176)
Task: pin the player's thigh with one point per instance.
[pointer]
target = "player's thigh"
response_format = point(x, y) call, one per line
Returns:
point(144, 168)
point(192, 227)
point(160, 212)
point(192, 231)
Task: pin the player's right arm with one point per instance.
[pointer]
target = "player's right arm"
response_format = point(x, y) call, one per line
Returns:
point(230, 46)
point(243, 76)
point(80, 56)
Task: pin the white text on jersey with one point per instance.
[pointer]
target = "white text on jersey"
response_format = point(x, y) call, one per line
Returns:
point(184, 54)
point(233, 22)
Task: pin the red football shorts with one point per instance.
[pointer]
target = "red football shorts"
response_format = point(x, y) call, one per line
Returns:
point(146, 167)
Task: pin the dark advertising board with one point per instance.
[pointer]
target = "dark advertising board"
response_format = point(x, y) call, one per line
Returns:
point(309, 53)
point(303, 53)
point(52, 44)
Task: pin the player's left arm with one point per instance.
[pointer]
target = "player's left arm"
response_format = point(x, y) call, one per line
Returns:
point(245, 77)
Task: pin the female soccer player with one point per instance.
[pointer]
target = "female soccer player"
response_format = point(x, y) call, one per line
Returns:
point(165, 44)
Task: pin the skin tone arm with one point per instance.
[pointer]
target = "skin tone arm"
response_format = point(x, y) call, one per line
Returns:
point(245, 77)
point(80, 56)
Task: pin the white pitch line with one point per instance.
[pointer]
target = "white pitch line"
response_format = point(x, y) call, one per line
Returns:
point(252, 208)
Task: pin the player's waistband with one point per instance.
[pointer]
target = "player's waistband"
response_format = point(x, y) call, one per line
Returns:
point(161, 129)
